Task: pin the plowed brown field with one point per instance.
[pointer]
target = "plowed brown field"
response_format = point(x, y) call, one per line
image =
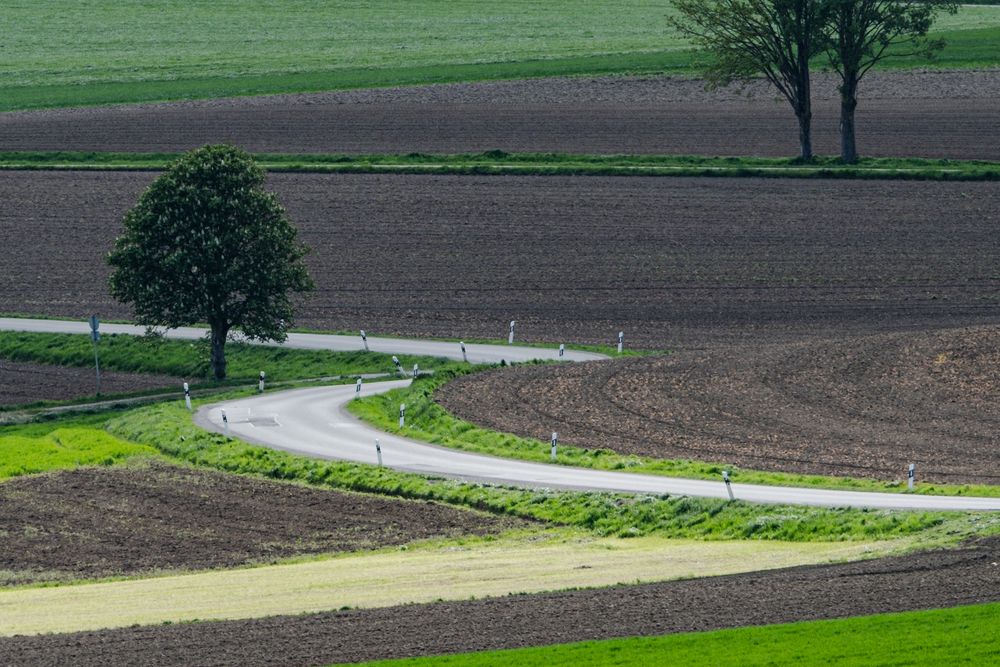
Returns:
point(675, 262)
point(918, 581)
point(865, 407)
point(101, 522)
point(22, 383)
point(926, 114)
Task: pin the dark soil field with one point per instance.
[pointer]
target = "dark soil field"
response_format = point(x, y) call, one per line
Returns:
point(918, 114)
point(919, 581)
point(22, 383)
point(100, 522)
point(675, 262)
point(865, 407)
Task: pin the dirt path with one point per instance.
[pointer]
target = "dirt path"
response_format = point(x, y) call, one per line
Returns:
point(921, 581)
point(864, 407)
point(928, 114)
point(676, 262)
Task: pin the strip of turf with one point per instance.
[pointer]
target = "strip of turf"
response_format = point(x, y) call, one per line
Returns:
point(181, 358)
point(499, 162)
point(958, 636)
point(64, 448)
point(430, 422)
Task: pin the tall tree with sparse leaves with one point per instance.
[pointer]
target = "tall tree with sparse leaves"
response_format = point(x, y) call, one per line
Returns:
point(862, 33)
point(207, 243)
point(747, 38)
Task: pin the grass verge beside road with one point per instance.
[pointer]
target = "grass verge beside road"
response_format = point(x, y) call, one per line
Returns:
point(499, 162)
point(63, 448)
point(190, 359)
point(169, 428)
point(961, 635)
point(428, 421)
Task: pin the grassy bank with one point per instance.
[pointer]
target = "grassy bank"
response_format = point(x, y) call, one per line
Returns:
point(190, 359)
point(63, 448)
point(962, 635)
point(98, 52)
point(169, 428)
point(429, 422)
point(499, 162)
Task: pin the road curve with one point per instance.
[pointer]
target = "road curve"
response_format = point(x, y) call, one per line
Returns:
point(477, 353)
point(315, 422)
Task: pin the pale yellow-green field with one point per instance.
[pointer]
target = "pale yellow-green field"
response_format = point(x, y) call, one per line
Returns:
point(448, 571)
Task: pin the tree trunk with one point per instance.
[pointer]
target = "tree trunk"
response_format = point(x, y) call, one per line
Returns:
point(805, 137)
point(848, 102)
point(219, 334)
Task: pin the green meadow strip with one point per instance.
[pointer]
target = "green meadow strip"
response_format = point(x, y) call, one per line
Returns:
point(499, 162)
point(960, 635)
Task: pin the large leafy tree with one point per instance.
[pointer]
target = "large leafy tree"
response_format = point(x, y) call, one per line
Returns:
point(749, 38)
point(862, 33)
point(207, 243)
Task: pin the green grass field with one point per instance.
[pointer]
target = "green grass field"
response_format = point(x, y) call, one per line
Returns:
point(100, 51)
point(190, 359)
point(958, 636)
point(64, 448)
point(499, 162)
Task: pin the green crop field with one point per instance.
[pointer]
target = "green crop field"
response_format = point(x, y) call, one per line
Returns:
point(959, 636)
point(170, 49)
point(64, 448)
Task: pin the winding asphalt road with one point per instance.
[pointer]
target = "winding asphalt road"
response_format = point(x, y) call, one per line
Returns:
point(315, 422)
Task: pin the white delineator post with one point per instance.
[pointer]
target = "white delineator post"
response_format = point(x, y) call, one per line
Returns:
point(465, 357)
point(187, 396)
point(729, 486)
point(621, 341)
point(399, 366)
point(260, 384)
point(911, 476)
point(225, 422)
point(357, 389)
point(378, 452)
point(416, 371)
point(510, 333)
point(402, 414)
point(95, 335)
point(555, 445)
point(562, 350)
point(364, 339)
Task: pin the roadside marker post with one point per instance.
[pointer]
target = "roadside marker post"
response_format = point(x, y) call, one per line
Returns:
point(225, 422)
point(378, 452)
point(510, 334)
point(621, 341)
point(399, 366)
point(95, 335)
point(911, 476)
point(402, 414)
point(562, 350)
point(187, 396)
point(465, 357)
point(357, 389)
point(729, 486)
point(416, 371)
point(364, 339)
point(555, 444)
point(260, 385)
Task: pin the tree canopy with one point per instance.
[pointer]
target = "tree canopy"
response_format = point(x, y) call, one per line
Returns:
point(747, 38)
point(207, 243)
